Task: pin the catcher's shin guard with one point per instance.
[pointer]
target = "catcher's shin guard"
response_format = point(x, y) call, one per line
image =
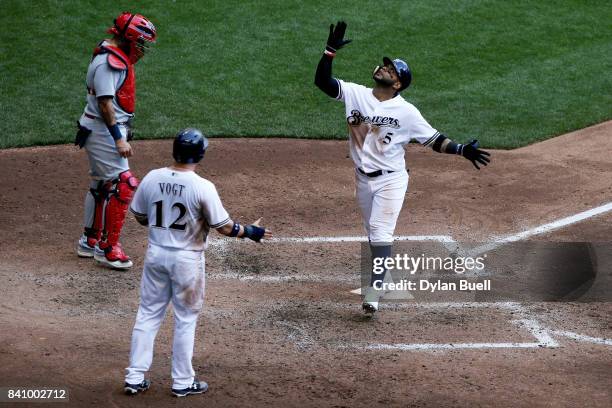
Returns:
point(117, 206)
point(94, 216)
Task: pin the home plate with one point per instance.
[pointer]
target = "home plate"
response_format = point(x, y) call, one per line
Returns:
point(392, 294)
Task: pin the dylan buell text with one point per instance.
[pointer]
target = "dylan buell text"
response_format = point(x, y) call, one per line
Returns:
point(425, 285)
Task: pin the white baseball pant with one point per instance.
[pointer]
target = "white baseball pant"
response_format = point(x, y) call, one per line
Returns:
point(169, 274)
point(381, 199)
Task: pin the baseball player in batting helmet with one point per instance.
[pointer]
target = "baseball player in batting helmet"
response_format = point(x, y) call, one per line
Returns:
point(104, 130)
point(180, 208)
point(381, 123)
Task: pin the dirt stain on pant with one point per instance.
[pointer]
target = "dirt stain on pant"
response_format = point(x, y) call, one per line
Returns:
point(193, 295)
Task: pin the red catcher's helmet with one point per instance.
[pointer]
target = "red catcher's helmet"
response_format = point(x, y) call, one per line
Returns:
point(134, 28)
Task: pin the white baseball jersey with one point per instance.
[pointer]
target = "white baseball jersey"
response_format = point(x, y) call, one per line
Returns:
point(104, 81)
point(181, 207)
point(379, 130)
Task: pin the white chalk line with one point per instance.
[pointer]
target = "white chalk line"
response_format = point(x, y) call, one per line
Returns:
point(449, 346)
point(542, 336)
point(544, 228)
point(582, 337)
point(437, 238)
point(309, 240)
point(544, 341)
point(514, 307)
point(328, 277)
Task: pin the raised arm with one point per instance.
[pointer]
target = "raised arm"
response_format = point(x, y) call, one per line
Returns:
point(323, 77)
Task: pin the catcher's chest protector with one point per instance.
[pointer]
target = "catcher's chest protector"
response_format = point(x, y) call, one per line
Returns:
point(126, 94)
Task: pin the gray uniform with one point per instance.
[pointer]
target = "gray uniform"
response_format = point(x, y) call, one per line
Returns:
point(104, 161)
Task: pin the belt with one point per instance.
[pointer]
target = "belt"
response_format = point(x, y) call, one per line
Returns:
point(374, 173)
point(87, 115)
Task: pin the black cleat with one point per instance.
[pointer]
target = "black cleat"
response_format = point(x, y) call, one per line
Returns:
point(133, 389)
point(369, 307)
point(198, 387)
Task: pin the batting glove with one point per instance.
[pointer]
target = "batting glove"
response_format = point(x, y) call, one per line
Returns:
point(336, 40)
point(471, 152)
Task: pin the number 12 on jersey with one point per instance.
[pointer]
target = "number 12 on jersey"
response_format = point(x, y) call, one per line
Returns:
point(159, 216)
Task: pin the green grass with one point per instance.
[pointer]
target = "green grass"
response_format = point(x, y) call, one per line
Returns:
point(506, 72)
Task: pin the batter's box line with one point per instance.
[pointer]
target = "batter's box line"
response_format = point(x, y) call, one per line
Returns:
point(541, 335)
point(544, 337)
point(497, 241)
point(300, 337)
point(582, 337)
point(221, 242)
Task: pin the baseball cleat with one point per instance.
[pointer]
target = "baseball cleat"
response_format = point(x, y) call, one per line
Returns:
point(112, 256)
point(370, 300)
point(85, 247)
point(133, 389)
point(370, 307)
point(198, 387)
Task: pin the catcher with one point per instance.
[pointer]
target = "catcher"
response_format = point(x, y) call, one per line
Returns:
point(105, 131)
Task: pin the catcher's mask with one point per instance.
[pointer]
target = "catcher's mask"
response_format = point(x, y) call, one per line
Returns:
point(401, 68)
point(137, 31)
point(189, 146)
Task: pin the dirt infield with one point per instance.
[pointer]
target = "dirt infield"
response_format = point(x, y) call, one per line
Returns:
point(280, 326)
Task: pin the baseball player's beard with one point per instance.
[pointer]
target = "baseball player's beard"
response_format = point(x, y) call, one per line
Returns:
point(385, 82)
point(382, 81)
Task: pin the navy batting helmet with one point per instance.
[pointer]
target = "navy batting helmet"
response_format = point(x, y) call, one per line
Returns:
point(189, 146)
point(402, 69)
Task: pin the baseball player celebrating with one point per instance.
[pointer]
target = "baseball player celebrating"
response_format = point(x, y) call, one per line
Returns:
point(381, 122)
point(104, 131)
point(180, 208)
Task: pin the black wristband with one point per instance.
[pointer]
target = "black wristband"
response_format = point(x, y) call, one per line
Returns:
point(115, 132)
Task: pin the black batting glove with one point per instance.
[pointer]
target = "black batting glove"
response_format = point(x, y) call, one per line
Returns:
point(336, 40)
point(254, 232)
point(471, 152)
